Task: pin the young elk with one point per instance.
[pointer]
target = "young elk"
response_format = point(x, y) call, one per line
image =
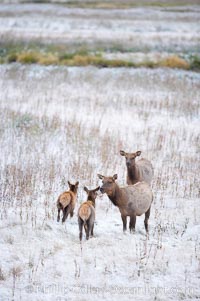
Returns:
point(86, 213)
point(141, 170)
point(67, 201)
point(133, 200)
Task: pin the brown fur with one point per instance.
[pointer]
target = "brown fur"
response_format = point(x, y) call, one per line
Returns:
point(139, 171)
point(86, 213)
point(67, 201)
point(85, 210)
point(133, 200)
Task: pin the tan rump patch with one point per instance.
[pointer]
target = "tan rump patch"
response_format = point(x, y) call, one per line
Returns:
point(84, 211)
point(65, 199)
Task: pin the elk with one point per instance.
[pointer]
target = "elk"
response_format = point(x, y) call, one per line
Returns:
point(133, 200)
point(86, 213)
point(67, 201)
point(139, 171)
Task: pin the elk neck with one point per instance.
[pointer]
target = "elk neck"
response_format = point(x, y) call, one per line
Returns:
point(92, 201)
point(132, 172)
point(116, 196)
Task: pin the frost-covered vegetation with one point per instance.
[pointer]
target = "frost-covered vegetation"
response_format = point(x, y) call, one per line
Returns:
point(61, 123)
point(54, 34)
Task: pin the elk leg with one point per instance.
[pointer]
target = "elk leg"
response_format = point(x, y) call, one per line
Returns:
point(92, 230)
point(80, 223)
point(58, 217)
point(71, 210)
point(65, 214)
point(132, 223)
point(124, 220)
point(147, 214)
point(87, 229)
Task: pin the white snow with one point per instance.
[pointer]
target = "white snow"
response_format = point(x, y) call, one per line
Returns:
point(62, 123)
point(137, 29)
point(59, 124)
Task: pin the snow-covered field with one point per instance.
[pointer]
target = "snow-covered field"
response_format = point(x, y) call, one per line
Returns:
point(60, 124)
point(140, 29)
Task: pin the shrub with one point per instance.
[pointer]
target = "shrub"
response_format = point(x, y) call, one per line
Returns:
point(84, 58)
point(48, 59)
point(66, 56)
point(12, 57)
point(67, 62)
point(147, 64)
point(28, 57)
point(26, 123)
point(115, 63)
point(195, 63)
point(80, 60)
point(174, 61)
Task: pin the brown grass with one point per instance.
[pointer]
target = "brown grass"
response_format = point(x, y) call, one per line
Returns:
point(29, 57)
point(174, 61)
point(48, 59)
point(96, 59)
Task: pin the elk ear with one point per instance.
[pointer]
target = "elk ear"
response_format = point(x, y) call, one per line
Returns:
point(77, 183)
point(69, 183)
point(115, 177)
point(100, 176)
point(122, 153)
point(138, 153)
point(85, 188)
point(97, 188)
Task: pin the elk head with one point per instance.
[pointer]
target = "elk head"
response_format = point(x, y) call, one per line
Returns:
point(130, 157)
point(73, 187)
point(92, 194)
point(108, 186)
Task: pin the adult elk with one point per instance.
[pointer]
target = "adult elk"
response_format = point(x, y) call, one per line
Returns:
point(133, 200)
point(142, 170)
point(67, 201)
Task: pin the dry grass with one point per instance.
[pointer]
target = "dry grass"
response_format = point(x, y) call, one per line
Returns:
point(48, 59)
point(59, 123)
point(72, 127)
point(174, 62)
point(127, 4)
point(33, 57)
point(29, 57)
point(98, 61)
point(2, 275)
point(85, 59)
point(36, 53)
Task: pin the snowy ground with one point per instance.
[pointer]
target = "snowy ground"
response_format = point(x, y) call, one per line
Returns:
point(141, 29)
point(62, 123)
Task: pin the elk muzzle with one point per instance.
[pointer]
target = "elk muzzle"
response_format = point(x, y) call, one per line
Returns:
point(128, 162)
point(102, 190)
